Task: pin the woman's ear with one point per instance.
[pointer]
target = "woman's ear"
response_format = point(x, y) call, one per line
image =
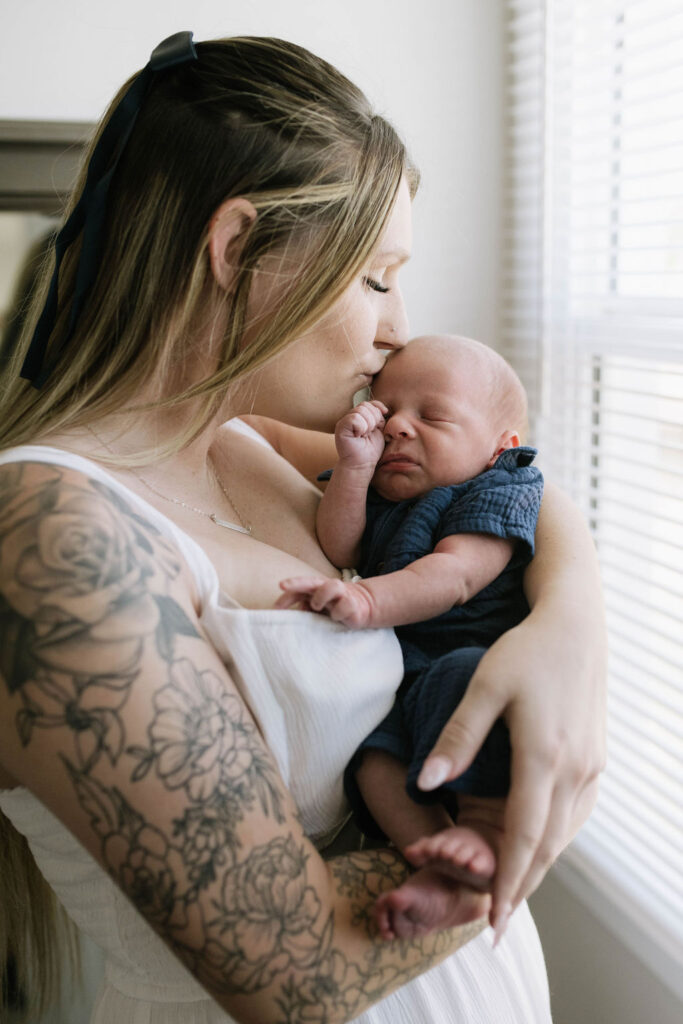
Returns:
point(508, 439)
point(228, 229)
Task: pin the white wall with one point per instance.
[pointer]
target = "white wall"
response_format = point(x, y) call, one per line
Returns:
point(433, 68)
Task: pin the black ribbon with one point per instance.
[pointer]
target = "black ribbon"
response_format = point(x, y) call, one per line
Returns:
point(89, 213)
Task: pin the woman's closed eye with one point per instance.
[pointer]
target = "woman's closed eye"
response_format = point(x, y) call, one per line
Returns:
point(376, 286)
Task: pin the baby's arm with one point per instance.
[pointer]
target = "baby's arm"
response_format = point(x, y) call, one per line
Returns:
point(341, 513)
point(459, 567)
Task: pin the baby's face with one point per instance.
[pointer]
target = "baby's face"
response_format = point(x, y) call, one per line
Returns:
point(439, 429)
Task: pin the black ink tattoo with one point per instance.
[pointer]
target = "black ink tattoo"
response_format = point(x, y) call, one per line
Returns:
point(355, 874)
point(201, 741)
point(75, 598)
point(86, 592)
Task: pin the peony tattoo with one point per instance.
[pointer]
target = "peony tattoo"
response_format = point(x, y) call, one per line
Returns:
point(90, 599)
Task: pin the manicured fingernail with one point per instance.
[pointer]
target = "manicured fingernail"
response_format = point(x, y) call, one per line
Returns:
point(434, 772)
point(501, 923)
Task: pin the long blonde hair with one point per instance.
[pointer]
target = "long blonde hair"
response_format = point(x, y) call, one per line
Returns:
point(253, 117)
point(258, 118)
point(37, 939)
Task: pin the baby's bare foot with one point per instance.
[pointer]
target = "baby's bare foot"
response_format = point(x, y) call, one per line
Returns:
point(461, 853)
point(455, 871)
point(432, 899)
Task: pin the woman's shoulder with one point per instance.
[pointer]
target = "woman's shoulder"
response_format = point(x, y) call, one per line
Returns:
point(67, 529)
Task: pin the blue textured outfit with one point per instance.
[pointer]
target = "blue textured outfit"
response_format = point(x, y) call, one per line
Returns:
point(441, 654)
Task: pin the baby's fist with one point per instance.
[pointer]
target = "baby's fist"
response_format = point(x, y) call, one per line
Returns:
point(359, 434)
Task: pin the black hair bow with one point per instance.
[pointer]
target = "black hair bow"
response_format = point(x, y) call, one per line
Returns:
point(89, 213)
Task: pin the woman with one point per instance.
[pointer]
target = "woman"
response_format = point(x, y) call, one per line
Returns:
point(235, 250)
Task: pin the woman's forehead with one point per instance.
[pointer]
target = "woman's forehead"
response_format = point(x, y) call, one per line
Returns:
point(397, 239)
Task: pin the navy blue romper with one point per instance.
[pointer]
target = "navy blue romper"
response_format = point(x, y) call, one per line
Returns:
point(441, 654)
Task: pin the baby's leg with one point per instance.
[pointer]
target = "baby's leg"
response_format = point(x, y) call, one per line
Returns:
point(453, 872)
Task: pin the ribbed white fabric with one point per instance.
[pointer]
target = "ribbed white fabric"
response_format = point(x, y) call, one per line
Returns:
point(316, 689)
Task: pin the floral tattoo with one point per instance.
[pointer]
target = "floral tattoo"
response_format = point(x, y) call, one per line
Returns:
point(86, 594)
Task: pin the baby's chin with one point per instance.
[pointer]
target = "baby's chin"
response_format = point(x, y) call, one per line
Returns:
point(397, 486)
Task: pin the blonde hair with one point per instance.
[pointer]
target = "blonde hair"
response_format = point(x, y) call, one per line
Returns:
point(257, 118)
point(36, 938)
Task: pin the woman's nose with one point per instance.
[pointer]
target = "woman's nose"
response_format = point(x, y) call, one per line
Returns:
point(394, 331)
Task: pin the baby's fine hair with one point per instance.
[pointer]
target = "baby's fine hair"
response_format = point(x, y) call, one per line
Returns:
point(503, 391)
point(506, 393)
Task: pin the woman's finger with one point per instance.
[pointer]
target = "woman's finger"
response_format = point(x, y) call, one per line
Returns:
point(462, 736)
point(532, 782)
point(569, 810)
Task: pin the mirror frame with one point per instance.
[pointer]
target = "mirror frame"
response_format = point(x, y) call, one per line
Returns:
point(39, 162)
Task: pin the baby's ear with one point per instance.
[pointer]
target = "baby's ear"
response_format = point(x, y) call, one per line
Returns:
point(508, 439)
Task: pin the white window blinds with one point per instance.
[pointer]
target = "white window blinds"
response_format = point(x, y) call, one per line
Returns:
point(593, 320)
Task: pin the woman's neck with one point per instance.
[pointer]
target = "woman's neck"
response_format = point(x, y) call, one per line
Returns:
point(122, 437)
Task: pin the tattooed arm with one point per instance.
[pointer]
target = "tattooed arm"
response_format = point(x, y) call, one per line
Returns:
point(120, 717)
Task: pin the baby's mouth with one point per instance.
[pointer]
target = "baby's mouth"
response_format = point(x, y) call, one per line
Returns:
point(396, 460)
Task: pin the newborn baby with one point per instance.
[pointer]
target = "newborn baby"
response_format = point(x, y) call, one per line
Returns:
point(435, 502)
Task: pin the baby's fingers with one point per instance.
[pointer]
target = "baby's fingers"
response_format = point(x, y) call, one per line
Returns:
point(373, 408)
point(301, 584)
point(297, 590)
point(366, 417)
point(292, 600)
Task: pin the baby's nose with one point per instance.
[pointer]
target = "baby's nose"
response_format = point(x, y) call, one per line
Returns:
point(396, 426)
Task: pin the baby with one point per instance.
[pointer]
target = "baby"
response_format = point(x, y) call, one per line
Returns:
point(435, 502)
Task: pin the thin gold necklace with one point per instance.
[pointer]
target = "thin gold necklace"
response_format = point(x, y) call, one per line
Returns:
point(243, 528)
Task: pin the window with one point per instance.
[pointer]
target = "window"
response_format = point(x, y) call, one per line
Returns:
point(593, 320)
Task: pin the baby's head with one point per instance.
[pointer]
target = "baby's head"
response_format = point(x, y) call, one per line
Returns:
point(454, 406)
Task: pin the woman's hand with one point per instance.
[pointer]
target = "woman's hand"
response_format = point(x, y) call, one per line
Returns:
point(546, 677)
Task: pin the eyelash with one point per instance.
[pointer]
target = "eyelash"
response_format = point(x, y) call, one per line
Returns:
point(375, 285)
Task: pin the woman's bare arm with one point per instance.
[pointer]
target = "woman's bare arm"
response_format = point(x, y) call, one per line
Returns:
point(547, 677)
point(117, 713)
point(309, 451)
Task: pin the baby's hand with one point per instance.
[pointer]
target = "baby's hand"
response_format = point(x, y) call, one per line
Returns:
point(347, 603)
point(359, 434)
